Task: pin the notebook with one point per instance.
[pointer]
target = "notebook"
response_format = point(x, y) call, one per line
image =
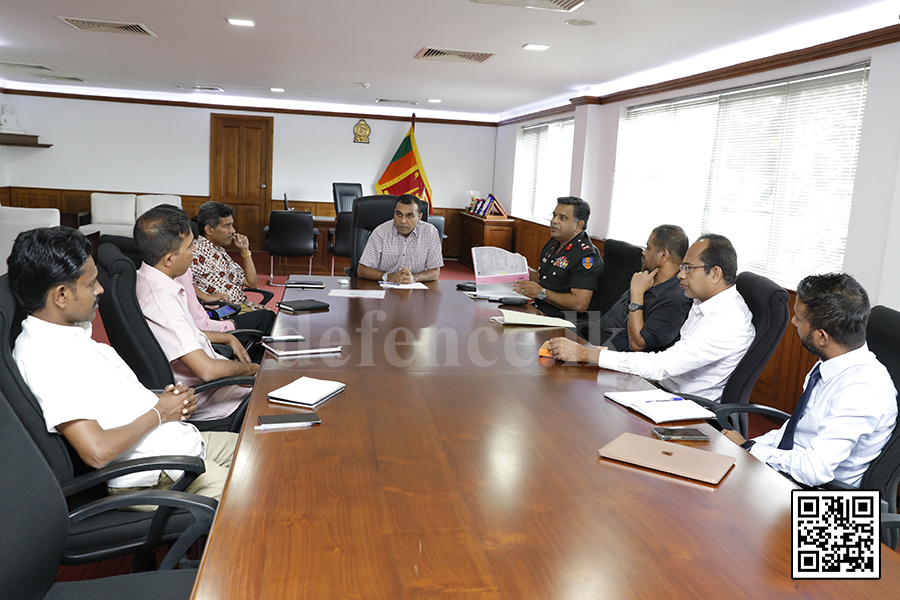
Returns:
point(660, 406)
point(301, 305)
point(668, 457)
point(306, 392)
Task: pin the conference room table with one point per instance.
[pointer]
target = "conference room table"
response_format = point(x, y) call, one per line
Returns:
point(459, 464)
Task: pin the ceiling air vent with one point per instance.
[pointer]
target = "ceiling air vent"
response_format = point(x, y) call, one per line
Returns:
point(453, 55)
point(389, 101)
point(108, 26)
point(59, 78)
point(558, 5)
point(12, 65)
point(200, 88)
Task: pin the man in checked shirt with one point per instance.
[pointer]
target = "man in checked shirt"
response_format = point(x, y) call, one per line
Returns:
point(404, 250)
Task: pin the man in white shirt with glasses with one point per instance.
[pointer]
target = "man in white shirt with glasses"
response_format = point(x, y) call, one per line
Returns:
point(714, 338)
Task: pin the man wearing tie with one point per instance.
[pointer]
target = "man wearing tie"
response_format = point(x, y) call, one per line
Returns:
point(848, 408)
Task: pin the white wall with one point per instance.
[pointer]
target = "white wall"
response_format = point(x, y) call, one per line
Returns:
point(163, 149)
point(875, 215)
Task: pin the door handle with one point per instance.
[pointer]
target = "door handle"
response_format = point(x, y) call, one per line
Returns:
point(263, 186)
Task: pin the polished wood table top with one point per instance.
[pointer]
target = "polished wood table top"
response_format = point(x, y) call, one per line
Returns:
point(436, 476)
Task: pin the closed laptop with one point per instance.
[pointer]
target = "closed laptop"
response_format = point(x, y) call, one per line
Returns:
point(668, 457)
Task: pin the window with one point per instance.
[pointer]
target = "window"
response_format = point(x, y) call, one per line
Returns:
point(770, 166)
point(543, 169)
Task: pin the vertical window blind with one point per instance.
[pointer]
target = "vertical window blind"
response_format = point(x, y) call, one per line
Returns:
point(543, 168)
point(770, 166)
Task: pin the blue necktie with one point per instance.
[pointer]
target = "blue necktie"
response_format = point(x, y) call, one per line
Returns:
point(787, 440)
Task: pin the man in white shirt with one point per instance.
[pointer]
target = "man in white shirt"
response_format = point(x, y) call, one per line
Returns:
point(164, 238)
point(714, 338)
point(86, 391)
point(848, 408)
point(404, 250)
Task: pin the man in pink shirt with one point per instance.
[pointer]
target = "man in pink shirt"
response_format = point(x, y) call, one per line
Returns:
point(164, 238)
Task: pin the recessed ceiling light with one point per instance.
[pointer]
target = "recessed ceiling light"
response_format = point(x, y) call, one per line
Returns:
point(434, 100)
point(279, 90)
point(580, 23)
point(538, 47)
point(242, 22)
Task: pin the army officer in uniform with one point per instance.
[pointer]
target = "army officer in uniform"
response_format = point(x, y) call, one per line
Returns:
point(570, 264)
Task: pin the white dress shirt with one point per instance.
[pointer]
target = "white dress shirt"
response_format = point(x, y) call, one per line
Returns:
point(714, 339)
point(848, 420)
point(74, 378)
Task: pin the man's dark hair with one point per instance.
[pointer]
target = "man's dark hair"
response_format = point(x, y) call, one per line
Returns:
point(672, 238)
point(161, 230)
point(42, 259)
point(837, 304)
point(410, 199)
point(582, 210)
point(719, 253)
point(211, 213)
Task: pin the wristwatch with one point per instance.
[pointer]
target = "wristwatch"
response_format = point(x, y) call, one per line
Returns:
point(634, 307)
point(542, 295)
point(385, 276)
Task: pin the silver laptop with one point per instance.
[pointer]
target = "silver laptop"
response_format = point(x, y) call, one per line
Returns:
point(668, 457)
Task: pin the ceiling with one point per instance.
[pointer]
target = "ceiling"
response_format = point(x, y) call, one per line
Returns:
point(322, 51)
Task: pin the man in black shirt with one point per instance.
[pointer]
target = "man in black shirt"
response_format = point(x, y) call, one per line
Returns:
point(570, 264)
point(648, 317)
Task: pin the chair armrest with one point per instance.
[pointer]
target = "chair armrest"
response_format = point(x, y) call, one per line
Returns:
point(223, 349)
point(266, 294)
point(192, 466)
point(217, 383)
point(247, 337)
point(724, 410)
point(707, 404)
point(203, 510)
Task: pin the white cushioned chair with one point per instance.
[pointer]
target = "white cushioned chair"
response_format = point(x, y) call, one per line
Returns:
point(14, 220)
point(115, 214)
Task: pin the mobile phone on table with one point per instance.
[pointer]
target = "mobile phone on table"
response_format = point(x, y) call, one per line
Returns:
point(686, 434)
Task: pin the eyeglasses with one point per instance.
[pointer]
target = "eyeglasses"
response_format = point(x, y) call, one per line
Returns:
point(686, 269)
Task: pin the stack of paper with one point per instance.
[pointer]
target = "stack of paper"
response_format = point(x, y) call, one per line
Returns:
point(306, 392)
point(660, 406)
point(514, 317)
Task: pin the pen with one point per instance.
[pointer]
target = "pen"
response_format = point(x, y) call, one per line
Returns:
point(292, 426)
point(672, 399)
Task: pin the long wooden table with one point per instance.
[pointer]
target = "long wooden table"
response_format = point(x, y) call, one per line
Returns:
point(458, 465)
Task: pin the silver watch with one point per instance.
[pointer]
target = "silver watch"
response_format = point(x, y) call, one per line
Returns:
point(542, 295)
point(385, 276)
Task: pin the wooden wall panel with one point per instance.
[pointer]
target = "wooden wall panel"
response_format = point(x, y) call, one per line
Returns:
point(4, 196)
point(36, 198)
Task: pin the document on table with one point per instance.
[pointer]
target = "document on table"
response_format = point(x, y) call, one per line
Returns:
point(417, 285)
point(514, 317)
point(377, 294)
point(495, 272)
point(660, 406)
point(306, 392)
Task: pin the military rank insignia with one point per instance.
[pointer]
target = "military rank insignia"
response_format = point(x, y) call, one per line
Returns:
point(562, 262)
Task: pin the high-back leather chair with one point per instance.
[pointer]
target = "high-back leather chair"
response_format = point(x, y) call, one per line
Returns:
point(368, 213)
point(621, 260)
point(290, 233)
point(37, 529)
point(109, 534)
point(344, 194)
point(340, 238)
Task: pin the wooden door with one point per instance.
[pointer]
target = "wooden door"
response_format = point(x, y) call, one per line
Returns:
point(240, 170)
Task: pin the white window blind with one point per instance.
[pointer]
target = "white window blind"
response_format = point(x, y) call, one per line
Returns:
point(543, 168)
point(771, 167)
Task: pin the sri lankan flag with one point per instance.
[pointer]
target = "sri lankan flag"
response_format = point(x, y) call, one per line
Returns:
point(405, 174)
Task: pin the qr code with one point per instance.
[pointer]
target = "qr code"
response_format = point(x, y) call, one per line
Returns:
point(835, 534)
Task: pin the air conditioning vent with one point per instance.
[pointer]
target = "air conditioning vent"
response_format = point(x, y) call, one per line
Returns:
point(200, 88)
point(27, 67)
point(557, 5)
point(453, 55)
point(108, 26)
point(59, 78)
point(389, 101)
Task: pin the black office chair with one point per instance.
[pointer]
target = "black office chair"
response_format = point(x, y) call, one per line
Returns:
point(621, 260)
point(91, 538)
point(883, 473)
point(340, 238)
point(438, 222)
point(290, 233)
point(344, 194)
point(130, 335)
point(36, 529)
point(768, 303)
point(368, 213)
